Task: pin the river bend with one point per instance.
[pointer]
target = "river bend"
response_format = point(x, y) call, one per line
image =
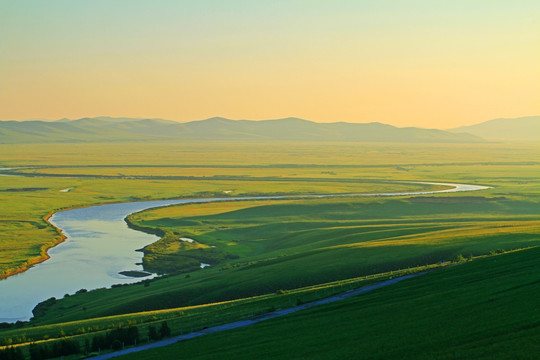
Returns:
point(99, 245)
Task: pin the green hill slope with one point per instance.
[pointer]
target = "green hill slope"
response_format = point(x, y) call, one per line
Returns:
point(485, 309)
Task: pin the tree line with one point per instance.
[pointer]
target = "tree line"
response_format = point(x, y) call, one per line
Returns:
point(113, 340)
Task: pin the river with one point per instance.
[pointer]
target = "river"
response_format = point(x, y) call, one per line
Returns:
point(99, 245)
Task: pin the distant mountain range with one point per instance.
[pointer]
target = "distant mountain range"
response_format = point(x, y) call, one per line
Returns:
point(108, 129)
point(523, 128)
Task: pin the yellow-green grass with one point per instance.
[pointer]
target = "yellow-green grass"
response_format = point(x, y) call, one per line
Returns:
point(295, 172)
point(298, 171)
point(263, 153)
point(517, 179)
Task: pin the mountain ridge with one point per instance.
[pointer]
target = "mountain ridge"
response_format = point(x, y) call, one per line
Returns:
point(108, 129)
point(521, 128)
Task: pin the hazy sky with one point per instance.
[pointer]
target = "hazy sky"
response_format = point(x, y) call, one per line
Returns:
point(429, 63)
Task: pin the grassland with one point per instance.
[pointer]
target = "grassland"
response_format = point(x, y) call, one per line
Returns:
point(28, 201)
point(483, 309)
point(264, 247)
point(193, 170)
point(291, 244)
point(184, 320)
point(385, 234)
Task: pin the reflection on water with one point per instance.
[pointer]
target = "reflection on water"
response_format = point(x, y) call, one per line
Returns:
point(98, 246)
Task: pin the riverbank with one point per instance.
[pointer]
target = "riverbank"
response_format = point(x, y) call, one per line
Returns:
point(43, 256)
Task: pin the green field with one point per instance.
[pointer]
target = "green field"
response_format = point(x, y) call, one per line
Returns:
point(485, 309)
point(302, 243)
point(386, 233)
point(261, 251)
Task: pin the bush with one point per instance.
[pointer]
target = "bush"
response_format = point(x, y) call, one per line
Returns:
point(43, 306)
point(37, 352)
point(498, 251)
point(11, 353)
point(60, 348)
point(120, 334)
point(152, 333)
point(164, 330)
point(116, 345)
point(99, 342)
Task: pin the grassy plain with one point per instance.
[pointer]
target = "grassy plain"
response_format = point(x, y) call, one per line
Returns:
point(264, 154)
point(304, 242)
point(27, 201)
point(274, 245)
point(140, 171)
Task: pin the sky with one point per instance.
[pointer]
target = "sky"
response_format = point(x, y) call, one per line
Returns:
point(426, 63)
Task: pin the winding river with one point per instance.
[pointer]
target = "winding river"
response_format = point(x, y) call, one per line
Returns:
point(99, 245)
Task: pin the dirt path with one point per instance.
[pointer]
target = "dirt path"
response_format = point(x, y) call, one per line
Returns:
point(256, 319)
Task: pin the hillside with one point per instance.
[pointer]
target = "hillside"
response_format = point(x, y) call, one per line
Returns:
point(523, 128)
point(478, 310)
point(288, 129)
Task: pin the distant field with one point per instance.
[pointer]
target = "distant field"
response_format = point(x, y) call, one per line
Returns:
point(261, 153)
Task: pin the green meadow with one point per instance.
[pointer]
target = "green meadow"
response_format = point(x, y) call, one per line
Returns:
point(263, 254)
point(266, 248)
point(483, 309)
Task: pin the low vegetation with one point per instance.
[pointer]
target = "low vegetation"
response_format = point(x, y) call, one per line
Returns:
point(83, 335)
point(482, 309)
point(26, 235)
point(266, 255)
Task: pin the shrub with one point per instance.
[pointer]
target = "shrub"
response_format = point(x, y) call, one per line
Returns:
point(498, 251)
point(164, 330)
point(43, 306)
point(11, 353)
point(116, 345)
point(152, 333)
